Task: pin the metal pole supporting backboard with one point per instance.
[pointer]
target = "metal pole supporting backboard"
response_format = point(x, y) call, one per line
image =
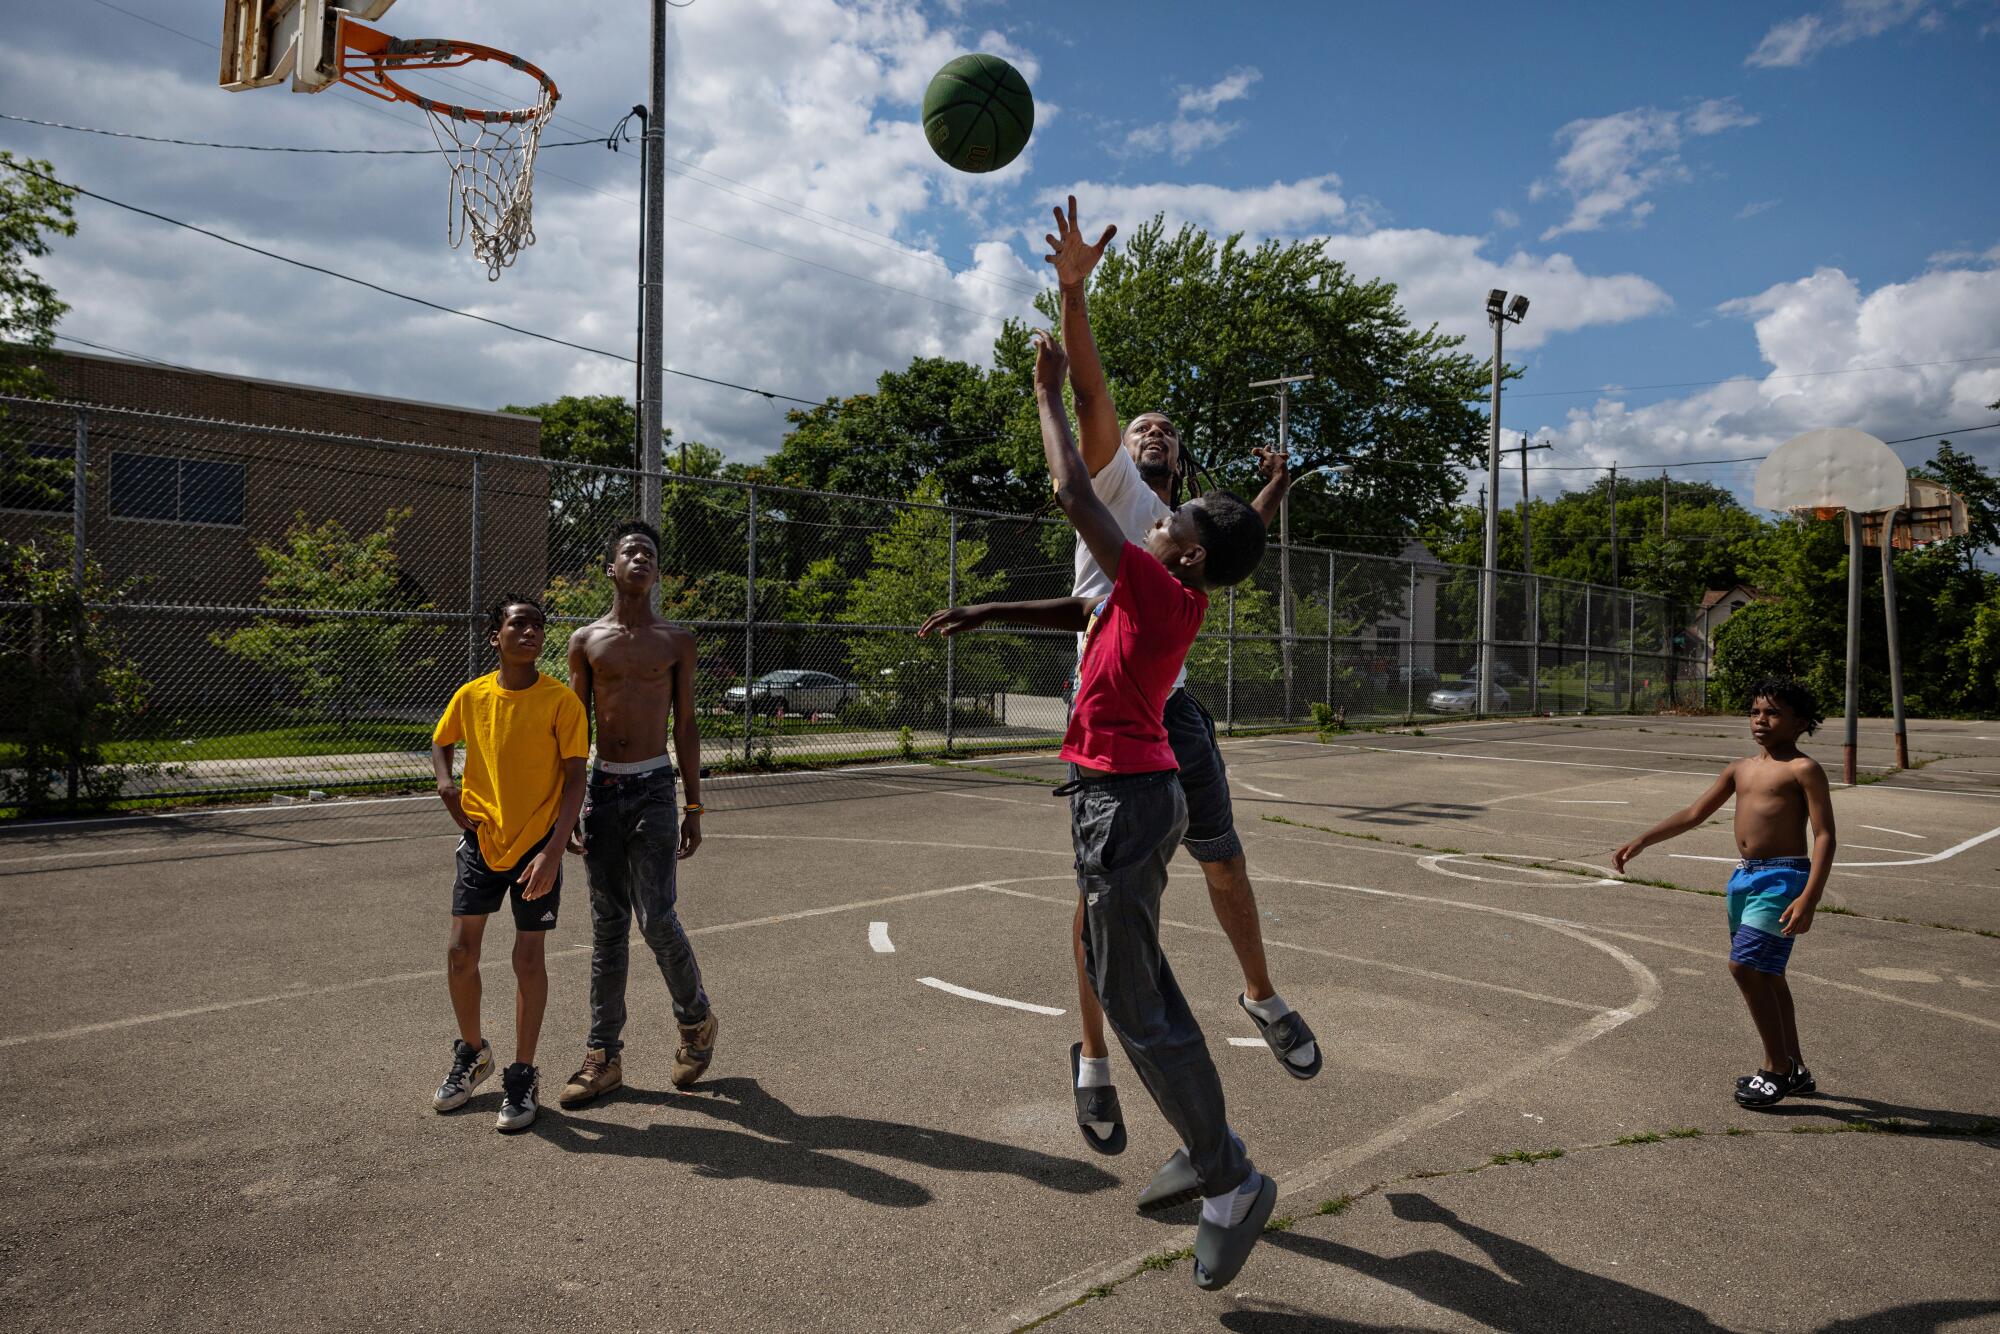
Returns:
point(950, 600)
point(1889, 623)
point(1853, 645)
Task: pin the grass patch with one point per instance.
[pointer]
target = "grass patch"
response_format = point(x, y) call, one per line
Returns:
point(1734, 1130)
point(1328, 1208)
point(1837, 911)
point(1643, 1137)
point(1686, 1132)
point(1525, 1156)
point(1281, 1224)
point(1165, 1260)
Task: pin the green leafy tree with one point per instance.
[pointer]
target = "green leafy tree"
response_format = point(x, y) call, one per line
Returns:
point(32, 210)
point(907, 580)
point(67, 686)
point(339, 666)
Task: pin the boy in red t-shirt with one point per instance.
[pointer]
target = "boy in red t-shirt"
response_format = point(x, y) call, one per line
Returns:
point(1127, 812)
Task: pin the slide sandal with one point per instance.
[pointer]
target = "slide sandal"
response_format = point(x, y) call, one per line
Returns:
point(1096, 1104)
point(1174, 1183)
point(1286, 1035)
point(1219, 1252)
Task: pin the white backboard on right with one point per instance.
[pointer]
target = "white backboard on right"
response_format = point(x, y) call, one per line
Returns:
point(268, 41)
point(1832, 468)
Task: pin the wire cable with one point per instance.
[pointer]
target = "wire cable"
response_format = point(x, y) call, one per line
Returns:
point(263, 148)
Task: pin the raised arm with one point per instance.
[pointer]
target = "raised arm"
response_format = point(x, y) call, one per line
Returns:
point(1046, 614)
point(1276, 470)
point(1074, 259)
point(1093, 523)
point(1681, 821)
point(687, 745)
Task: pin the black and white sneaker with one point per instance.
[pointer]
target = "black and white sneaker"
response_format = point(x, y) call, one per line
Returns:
point(1763, 1089)
point(469, 1069)
point(1800, 1080)
point(521, 1085)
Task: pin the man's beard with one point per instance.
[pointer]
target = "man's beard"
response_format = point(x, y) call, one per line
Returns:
point(1156, 471)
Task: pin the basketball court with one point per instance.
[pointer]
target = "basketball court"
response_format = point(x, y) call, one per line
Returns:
point(223, 1028)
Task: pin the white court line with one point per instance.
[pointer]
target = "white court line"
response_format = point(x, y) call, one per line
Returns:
point(1261, 791)
point(970, 994)
point(1934, 858)
point(878, 938)
point(240, 844)
point(1248, 1042)
point(1881, 830)
point(1496, 759)
point(1870, 847)
point(1578, 801)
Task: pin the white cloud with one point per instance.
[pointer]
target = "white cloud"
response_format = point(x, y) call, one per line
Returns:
point(1611, 163)
point(1820, 336)
point(1752, 209)
point(1194, 127)
point(1229, 88)
point(1442, 278)
point(1796, 41)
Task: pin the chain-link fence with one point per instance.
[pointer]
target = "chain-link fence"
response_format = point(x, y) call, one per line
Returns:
point(201, 607)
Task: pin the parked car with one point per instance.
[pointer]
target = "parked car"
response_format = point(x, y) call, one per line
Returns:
point(1415, 678)
point(1502, 674)
point(1464, 698)
point(794, 691)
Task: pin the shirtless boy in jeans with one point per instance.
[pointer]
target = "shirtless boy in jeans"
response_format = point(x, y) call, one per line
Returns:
point(633, 671)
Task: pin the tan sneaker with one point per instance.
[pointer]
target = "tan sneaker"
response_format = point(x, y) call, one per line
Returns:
point(600, 1074)
point(697, 1049)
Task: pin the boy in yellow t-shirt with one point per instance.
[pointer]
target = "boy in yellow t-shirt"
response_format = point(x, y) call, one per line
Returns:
point(526, 742)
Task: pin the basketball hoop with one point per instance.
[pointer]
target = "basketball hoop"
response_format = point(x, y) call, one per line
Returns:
point(492, 153)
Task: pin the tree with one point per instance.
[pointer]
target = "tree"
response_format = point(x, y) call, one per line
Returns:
point(907, 581)
point(67, 685)
point(1184, 322)
point(32, 209)
point(338, 665)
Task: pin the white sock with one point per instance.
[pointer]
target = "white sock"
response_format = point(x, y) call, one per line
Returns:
point(1271, 1011)
point(1093, 1071)
point(1231, 1209)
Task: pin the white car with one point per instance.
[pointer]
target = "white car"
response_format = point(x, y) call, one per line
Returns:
point(1464, 698)
point(794, 691)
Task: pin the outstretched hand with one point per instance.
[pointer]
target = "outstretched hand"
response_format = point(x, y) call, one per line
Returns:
point(1625, 854)
point(1051, 363)
point(1272, 464)
point(951, 621)
point(1073, 257)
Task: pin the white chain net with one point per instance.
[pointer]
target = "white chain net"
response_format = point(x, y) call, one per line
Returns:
point(492, 180)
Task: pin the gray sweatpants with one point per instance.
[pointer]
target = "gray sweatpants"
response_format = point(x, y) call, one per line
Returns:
point(631, 829)
point(1125, 830)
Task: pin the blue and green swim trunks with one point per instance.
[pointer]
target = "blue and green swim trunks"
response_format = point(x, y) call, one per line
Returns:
point(1759, 891)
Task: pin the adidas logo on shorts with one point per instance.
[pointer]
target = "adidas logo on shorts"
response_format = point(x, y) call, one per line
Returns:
point(548, 917)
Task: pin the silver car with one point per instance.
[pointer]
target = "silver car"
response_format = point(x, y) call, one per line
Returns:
point(1464, 698)
point(792, 690)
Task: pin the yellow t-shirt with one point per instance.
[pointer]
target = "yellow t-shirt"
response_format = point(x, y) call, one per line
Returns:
point(515, 743)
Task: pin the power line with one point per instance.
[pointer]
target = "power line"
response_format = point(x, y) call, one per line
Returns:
point(261, 148)
point(1742, 379)
point(403, 296)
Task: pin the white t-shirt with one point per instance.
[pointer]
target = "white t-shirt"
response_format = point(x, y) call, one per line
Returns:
point(1136, 508)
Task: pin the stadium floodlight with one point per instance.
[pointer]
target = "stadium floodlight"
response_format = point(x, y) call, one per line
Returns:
point(1517, 309)
point(1495, 299)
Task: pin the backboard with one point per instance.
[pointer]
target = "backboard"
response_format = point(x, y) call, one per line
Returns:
point(1934, 513)
point(267, 41)
point(1832, 469)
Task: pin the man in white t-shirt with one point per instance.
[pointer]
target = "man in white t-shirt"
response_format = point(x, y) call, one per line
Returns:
point(1136, 474)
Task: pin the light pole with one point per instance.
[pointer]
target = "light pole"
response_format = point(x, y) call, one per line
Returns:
point(1284, 384)
point(1500, 312)
point(652, 277)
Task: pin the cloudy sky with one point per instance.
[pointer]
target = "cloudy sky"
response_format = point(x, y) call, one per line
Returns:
point(1735, 222)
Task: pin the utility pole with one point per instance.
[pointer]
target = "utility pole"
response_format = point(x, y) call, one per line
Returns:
point(1614, 525)
point(652, 352)
point(1663, 504)
point(1284, 384)
point(1530, 632)
point(1500, 312)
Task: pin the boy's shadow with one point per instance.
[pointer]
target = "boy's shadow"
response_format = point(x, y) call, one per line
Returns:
point(792, 1148)
point(1850, 1110)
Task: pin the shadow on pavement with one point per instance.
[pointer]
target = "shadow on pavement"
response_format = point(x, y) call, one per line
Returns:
point(1915, 1318)
point(1915, 1120)
point(791, 1148)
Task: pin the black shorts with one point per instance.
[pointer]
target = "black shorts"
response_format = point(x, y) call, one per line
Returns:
point(479, 888)
point(1211, 820)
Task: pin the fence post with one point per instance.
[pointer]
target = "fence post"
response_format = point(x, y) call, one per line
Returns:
point(472, 584)
point(950, 600)
point(1586, 648)
point(79, 536)
point(750, 627)
point(1631, 653)
point(1534, 643)
point(1410, 621)
point(1229, 668)
point(1329, 630)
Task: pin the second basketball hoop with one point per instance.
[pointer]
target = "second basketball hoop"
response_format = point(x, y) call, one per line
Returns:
point(491, 153)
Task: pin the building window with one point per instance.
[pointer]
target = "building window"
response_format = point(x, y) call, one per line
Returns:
point(173, 490)
point(1388, 634)
point(43, 487)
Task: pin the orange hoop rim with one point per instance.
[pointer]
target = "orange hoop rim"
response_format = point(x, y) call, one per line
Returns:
point(367, 55)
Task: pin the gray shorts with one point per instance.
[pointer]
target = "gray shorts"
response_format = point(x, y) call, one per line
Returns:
point(1211, 820)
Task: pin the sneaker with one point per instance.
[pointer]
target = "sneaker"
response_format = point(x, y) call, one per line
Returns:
point(697, 1049)
point(600, 1074)
point(469, 1069)
point(522, 1084)
point(1800, 1080)
point(1763, 1089)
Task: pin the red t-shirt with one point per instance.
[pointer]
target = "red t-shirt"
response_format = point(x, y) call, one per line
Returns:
point(1132, 652)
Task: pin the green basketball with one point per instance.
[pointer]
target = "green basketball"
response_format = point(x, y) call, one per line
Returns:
point(978, 113)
